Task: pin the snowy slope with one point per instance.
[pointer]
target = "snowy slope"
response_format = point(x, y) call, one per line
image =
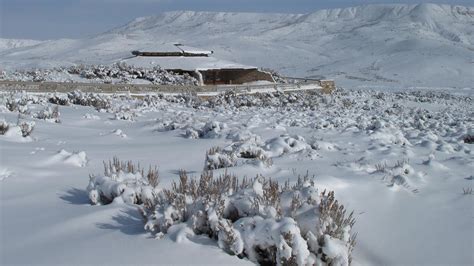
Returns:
point(397, 159)
point(6, 44)
point(396, 45)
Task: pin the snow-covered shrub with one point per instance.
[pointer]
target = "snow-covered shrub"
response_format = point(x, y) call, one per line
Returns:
point(3, 75)
point(125, 114)
point(115, 73)
point(217, 158)
point(26, 127)
point(11, 104)
point(301, 100)
point(21, 129)
point(469, 139)
point(49, 114)
point(286, 144)
point(257, 218)
point(123, 182)
point(37, 75)
point(250, 150)
point(168, 126)
point(212, 129)
point(58, 100)
point(253, 150)
point(89, 99)
point(191, 133)
point(237, 135)
point(334, 241)
point(14, 104)
point(401, 173)
point(80, 98)
point(4, 126)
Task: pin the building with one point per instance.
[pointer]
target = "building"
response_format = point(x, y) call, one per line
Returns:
point(199, 63)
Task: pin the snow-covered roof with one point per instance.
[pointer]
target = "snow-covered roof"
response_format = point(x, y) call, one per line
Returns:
point(184, 63)
point(192, 50)
point(181, 62)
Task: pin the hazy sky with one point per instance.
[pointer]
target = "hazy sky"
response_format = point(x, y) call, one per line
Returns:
point(52, 19)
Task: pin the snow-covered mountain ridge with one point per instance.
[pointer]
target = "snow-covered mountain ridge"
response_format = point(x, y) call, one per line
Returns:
point(396, 45)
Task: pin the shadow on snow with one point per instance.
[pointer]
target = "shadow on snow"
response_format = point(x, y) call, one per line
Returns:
point(75, 196)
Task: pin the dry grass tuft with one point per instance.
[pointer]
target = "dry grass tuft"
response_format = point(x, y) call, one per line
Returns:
point(114, 166)
point(467, 191)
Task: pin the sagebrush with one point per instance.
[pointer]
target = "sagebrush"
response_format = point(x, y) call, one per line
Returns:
point(257, 218)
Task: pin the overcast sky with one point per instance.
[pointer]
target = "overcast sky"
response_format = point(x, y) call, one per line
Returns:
point(52, 19)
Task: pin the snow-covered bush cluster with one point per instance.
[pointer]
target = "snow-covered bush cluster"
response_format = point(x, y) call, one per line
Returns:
point(250, 150)
point(50, 114)
point(116, 73)
point(253, 150)
point(398, 174)
point(4, 126)
point(125, 113)
point(26, 127)
point(469, 139)
point(126, 74)
point(99, 102)
point(210, 130)
point(378, 115)
point(257, 218)
point(18, 102)
point(38, 75)
point(216, 158)
point(232, 99)
point(286, 144)
point(20, 129)
point(123, 182)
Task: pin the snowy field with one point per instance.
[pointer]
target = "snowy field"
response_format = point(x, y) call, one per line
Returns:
point(395, 145)
point(402, 161)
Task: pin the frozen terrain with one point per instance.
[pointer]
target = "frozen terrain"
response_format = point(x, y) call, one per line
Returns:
point(395, 144)
point(388, 45)
point(400, 160)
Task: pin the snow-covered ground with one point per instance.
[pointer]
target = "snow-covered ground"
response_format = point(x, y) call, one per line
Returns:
point(398, 152)
point(393, 45)
point(398, 159)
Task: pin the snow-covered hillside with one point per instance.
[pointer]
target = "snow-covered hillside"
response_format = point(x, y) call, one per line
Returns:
point(6, 44)
point(395, 45)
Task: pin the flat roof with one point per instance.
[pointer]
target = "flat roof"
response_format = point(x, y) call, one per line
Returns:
point(181, 62)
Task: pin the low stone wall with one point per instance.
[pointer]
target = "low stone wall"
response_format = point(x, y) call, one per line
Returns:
point(151, 88)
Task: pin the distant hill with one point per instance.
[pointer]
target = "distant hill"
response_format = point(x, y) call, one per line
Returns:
point(6, 44)
point(395, 45)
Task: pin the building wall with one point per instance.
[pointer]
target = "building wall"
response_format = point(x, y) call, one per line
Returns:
point(234, 76)
point(228, 76)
